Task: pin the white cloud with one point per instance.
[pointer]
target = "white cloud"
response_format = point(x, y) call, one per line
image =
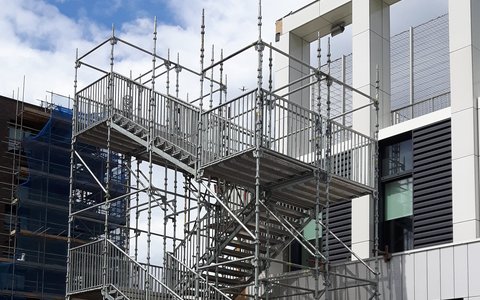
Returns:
point(39, 42)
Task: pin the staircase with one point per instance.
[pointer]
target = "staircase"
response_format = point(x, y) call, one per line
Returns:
point(165, 145)
point(227, 263)
point(226, 246)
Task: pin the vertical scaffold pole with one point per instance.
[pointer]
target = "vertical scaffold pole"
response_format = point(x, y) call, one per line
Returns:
point(151, 114)
point(258, 143)
point(318, 157)
point(221, 79)
point(329, 178)
point(113, 41)
point(177, 76)
point(70, 180)
point(137, 213)
point(165, 220)
point(375, 189)
point(270, 97)
point(210, 106)
point(199, 159)
point(174, 246)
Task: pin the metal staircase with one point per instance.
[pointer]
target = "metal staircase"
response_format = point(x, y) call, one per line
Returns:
point(221, 155)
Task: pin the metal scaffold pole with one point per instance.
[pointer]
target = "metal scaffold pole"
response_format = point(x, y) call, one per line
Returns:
point(258, 144)
point(376, 186)
point(328, 168)
point(150, 145)
point(70, 180)
point(108, 169)
point(318, 157)
point(199, 160)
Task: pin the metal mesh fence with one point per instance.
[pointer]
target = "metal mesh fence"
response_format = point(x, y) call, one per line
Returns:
point(420, 74)
point(340, 97)
point(420, 63)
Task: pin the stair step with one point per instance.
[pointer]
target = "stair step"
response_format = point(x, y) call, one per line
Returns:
point(236, 253)
point(169, 149)
point(228, 270)
point(275, 230)
point(274, 240)
point(243, 265)
point(286, 212)
point(245, 246)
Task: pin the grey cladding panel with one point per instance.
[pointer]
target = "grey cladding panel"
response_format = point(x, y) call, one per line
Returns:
point(432, 185)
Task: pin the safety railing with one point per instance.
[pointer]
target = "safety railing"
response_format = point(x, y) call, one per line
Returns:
point(90, 271)
point(421, 108)
point(229, 128)
point(171, 119)
point(293, 129)
point(289, 129)
point(351, 154)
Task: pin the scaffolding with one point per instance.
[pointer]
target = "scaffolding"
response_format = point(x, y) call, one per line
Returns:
point(214, 190)
point(34, 192)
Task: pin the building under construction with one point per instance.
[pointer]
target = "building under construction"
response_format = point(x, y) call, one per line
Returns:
point(331, 179)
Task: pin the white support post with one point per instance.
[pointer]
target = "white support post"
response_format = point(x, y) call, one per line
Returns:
point(370, 47)
point(464, 20)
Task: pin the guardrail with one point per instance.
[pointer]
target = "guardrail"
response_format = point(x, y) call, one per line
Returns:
point(289, 129)
point(229, 128)
point(420, 108)
point(130, 277)
point(172, 118)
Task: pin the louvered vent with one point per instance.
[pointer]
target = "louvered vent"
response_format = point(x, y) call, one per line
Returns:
point(432, 185)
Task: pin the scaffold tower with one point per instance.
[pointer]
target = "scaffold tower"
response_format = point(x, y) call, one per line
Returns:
point(200, 198)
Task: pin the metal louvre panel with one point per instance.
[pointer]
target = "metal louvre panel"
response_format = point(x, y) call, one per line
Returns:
point(432, 185)
point(341, 225)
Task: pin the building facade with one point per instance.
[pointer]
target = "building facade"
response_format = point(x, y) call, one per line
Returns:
point(428, 139)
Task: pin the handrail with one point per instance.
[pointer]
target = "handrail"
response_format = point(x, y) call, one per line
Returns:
point(93, 83)
point(174, 99)
point(419, 102)
point(85, 245)
point(144, 269)
point(229, 102)
point(119, 291)
point(200, 276)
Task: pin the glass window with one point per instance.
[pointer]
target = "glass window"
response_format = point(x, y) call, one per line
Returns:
point(397, 158)
point(398, 199)
point(309, 230)
point(15, 136)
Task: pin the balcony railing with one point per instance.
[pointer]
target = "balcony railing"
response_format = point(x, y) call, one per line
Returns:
point(420, 108)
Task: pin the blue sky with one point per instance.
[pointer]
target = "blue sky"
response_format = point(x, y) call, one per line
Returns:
point(107, 12)
point(39, 37)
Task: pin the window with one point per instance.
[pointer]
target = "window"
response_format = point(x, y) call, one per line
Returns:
point(297, 254)
point(15, 136)
point(397, 158)
point(398, 199)
point(397, 194)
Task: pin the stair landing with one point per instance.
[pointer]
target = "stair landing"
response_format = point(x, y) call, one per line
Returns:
point(289, 180)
